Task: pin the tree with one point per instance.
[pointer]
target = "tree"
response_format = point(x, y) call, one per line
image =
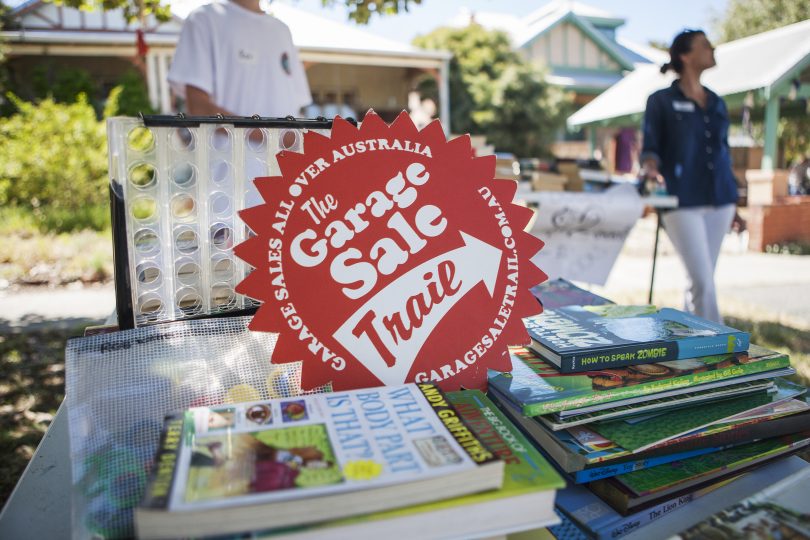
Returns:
point(748, 17)
point(360, 11)
point(494, 92)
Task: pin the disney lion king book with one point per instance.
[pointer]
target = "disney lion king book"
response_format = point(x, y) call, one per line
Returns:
point(283, 462)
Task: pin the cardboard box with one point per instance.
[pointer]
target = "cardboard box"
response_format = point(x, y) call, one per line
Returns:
point(764, 187)
point(571, 171)
point(548, 181)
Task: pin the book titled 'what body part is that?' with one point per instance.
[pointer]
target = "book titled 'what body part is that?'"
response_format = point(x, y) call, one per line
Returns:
point(283, 462)
point(525, 502)
point(587, 338)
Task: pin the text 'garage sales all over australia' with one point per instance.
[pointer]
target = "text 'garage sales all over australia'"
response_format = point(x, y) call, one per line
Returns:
point(385, 255)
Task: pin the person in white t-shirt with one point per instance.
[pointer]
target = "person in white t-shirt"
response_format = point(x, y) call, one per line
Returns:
point(233, 58)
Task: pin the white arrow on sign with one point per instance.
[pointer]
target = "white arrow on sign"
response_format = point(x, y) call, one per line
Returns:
point(474, 262)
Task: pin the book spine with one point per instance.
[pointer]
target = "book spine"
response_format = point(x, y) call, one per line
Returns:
point(456, 425)
point(744, 433)
point(695, 347)
point(633, 522)
point(164, 468)
point(619, 356)
point(524, 466)
point(693, 379)
point(596, 473)
point(539, 437)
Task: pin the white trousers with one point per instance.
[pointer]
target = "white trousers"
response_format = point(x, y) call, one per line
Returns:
point(697, 233)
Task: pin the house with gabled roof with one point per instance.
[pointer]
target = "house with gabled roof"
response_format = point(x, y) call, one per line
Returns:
point(767, 73)
point(345, 65)
point(575, 43)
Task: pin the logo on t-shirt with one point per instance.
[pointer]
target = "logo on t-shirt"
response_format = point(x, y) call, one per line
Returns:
point(247, 57)
point(285, 63)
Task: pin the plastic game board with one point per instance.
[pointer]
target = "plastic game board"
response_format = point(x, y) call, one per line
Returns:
point(177, 184)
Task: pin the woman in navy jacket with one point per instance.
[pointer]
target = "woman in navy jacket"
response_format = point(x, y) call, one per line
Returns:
point(686, 146)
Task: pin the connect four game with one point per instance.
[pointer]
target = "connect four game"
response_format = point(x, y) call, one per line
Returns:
point(177, 185)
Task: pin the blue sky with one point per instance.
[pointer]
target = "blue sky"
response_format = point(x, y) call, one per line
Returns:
point(647, 20)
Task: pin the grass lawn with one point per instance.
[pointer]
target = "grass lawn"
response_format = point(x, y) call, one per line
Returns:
point(28, 258)
point(32, 386)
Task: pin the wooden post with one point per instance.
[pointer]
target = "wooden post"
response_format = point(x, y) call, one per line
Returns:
point(770, 152)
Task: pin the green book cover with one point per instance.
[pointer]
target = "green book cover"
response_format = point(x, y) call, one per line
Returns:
point(656, 404)
point(537, 388)
point(639, 434)
point(665, 476)
point(526, 470)
point(584, 338)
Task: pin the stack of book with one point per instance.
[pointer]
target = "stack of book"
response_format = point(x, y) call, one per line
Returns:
point(358, 464)
point(646, 410)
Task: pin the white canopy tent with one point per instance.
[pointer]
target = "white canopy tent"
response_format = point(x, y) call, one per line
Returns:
point(761, 68)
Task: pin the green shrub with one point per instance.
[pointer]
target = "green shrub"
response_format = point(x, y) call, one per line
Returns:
point(62, 83)
point(17, 221)
point(789, 248)
point(134, 96)
point(53, 161)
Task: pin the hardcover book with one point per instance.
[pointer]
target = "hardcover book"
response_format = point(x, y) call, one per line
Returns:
point(586, 456)
point(285, 462)
point(642, 433)
point(604, 523)
point(524, 502)
point(586, 338)
point(537, 388)
point(555, 422)
point(633, 491)
point(781, 510)
point(561, 292)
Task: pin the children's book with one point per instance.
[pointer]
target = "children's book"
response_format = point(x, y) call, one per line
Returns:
point(537, 388)
point(639, 434)
point(561, 292)
point(781, 510)
point(587, 338)
point(586, 456)
point(524, 502)
point(639, 489)
point(602, 522)
point(556, 423)
point(284, 462)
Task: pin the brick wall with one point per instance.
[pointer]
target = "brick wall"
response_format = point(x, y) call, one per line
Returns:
point(787, 220)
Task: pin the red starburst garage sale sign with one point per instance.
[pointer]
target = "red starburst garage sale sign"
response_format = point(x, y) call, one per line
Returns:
point(384, 254)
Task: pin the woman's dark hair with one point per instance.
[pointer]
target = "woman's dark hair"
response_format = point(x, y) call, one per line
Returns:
point(682, 44)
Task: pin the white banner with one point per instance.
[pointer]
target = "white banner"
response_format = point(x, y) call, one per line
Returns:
point(584, 232)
